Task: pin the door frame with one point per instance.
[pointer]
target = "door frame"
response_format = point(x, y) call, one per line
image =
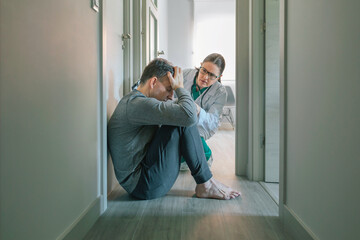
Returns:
point(283, 107)
point(269, 18)
point(128, 44)
point(102, 119)
point(148, 8)
point(256, 171)
point(137, 39)
point(131, 47)
point(248, 60)
point(249, 153)
point(242, 86)
point(245, 65)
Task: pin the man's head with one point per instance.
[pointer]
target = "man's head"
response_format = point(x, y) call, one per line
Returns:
point(154, 79)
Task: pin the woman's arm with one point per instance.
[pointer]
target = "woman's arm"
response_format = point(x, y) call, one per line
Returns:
point(209, 120)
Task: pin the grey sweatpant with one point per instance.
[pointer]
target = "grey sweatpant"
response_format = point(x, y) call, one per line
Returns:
point(161, 166)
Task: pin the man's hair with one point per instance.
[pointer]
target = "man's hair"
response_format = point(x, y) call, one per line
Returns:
point(156, 68)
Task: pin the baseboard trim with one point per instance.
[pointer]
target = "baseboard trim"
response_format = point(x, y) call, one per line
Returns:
point(83, 223)
point(295, 227)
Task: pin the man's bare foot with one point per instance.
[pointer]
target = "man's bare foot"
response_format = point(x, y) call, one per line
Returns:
point(215, 189)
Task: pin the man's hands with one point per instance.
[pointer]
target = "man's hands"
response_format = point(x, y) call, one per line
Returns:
point(178, 79)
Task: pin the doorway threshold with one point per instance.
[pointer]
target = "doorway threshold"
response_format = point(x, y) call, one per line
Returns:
point(272, 189)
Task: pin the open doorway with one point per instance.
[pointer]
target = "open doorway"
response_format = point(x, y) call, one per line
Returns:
point(206, 27)
point(179, 213)
point(181, 52)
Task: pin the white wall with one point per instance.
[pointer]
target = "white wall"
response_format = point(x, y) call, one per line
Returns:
point(180, 32)
point(214, 32)
point(48, 115)
point(192, 22)
point(323, 116)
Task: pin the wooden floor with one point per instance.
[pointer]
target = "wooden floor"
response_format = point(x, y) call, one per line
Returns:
point(180, 215)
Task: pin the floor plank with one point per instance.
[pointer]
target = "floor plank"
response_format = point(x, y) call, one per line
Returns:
point(180, 215)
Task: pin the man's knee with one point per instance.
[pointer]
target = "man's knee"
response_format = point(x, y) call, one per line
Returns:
point(166, 131)
point(191, 129)
point(178, 129)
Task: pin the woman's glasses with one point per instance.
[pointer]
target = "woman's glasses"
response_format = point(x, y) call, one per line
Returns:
point(212, 76)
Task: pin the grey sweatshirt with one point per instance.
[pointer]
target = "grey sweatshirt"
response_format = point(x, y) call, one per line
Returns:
point(132, 127)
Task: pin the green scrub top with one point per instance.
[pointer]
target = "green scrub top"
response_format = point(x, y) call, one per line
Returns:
point(195, 94)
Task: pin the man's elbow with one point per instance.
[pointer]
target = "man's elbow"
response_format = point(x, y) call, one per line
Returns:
point(191, 116)
point(191, 120)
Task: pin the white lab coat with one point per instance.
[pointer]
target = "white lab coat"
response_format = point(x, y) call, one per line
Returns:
point(211, 101)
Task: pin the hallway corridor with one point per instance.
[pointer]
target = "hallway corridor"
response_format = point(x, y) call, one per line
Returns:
point(180, 215)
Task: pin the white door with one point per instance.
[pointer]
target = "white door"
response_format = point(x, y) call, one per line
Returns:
point(113, 29)
point(150, 32)
point(113, 76)
point(272, 91)
point(127, 46)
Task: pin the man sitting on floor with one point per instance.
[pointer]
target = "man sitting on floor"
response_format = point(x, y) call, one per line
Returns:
point(148, 133)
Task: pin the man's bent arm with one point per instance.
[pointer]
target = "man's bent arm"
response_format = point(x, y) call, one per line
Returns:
point(142, 110)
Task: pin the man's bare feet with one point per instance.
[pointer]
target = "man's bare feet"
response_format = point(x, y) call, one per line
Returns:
point(215, 189)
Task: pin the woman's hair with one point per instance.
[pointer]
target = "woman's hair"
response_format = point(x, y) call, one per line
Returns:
point(218, 60)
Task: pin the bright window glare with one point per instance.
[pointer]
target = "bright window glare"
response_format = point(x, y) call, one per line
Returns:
point(214, 31)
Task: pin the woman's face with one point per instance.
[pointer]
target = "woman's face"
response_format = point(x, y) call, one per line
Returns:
point(209, 73)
